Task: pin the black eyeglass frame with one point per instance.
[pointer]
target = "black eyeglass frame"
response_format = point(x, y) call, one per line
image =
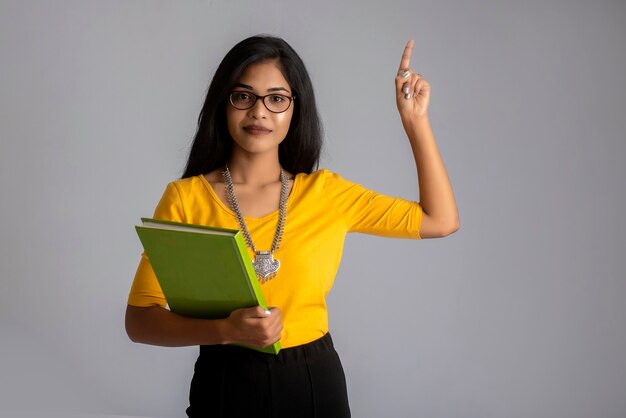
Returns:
point(257, 97)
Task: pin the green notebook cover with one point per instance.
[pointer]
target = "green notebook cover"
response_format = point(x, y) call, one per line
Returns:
point(204, 272)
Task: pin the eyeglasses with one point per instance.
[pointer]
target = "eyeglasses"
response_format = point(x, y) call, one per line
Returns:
point(275, 103)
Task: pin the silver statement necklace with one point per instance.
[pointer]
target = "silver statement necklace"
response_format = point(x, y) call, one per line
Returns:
point(264, 264)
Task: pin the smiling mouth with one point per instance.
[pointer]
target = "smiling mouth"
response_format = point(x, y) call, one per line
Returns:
point(256, 130)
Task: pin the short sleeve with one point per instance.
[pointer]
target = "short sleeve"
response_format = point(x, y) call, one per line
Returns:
point(146, 290)
point(373, 213)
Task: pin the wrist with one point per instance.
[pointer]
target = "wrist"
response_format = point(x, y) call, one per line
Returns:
point(415, 122)
point(217, 332)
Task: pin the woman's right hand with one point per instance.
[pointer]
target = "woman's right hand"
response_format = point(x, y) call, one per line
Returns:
point(254, 326)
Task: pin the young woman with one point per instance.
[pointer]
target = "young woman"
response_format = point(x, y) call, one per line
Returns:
point(251, 167)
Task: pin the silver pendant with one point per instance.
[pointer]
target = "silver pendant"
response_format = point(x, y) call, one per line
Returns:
point(265, 266)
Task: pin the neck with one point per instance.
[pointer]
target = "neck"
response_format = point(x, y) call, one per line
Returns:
point(254, 170)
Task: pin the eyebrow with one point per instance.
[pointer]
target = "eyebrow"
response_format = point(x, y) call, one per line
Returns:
point(245, 86)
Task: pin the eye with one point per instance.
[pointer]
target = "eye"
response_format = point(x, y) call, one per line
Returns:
point(277, 98)
point(241, 96)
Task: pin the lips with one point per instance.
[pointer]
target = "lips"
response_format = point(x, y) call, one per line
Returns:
point(256, 130)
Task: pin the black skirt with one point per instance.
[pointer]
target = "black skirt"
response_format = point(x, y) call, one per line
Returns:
point(302, 381)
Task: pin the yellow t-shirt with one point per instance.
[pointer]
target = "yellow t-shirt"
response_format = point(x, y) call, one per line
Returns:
point(322, 207)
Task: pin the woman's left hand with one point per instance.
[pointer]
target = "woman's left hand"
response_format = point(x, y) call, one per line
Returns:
point(412, 90)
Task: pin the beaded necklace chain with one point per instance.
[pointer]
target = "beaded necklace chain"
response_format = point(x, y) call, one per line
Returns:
point(264, 264)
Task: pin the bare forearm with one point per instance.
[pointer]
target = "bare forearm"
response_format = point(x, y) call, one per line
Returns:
point(436, 195)
point(159, 326)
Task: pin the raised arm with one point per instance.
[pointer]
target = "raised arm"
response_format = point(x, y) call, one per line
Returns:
point(440, 215)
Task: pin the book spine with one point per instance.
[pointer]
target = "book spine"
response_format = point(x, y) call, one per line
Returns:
point(256, 287)
point(247, 264)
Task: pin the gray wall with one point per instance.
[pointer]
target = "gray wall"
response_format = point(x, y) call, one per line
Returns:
point(519, 314)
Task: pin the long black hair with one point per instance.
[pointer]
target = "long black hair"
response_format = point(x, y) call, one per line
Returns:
point(300, 151)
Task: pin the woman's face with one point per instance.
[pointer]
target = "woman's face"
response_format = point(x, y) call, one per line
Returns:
point(257, 129)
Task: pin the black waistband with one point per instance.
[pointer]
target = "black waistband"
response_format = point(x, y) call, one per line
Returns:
point(321, 345)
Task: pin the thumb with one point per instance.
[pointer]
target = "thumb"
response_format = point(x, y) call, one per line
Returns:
point(258, 312)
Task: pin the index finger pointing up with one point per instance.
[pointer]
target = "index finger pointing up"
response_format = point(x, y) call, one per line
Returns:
point(406, 55)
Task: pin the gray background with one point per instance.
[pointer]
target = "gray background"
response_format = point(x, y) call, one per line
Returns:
point(519, 314)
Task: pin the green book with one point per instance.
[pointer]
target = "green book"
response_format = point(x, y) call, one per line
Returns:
point(204, 272)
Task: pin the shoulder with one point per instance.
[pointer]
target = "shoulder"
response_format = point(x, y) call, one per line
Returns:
point(318, 176)
point(325, 182)
point(327, 179)
point(182, 192)
point(315, 179)
point(186, 186)
point(180, 197)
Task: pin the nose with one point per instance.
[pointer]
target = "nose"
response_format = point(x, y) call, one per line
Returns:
point(258, 110)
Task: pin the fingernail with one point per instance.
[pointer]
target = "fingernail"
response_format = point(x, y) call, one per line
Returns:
point(406, 74)
point(407, 96)
point(405, 90)
point(267, 312)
